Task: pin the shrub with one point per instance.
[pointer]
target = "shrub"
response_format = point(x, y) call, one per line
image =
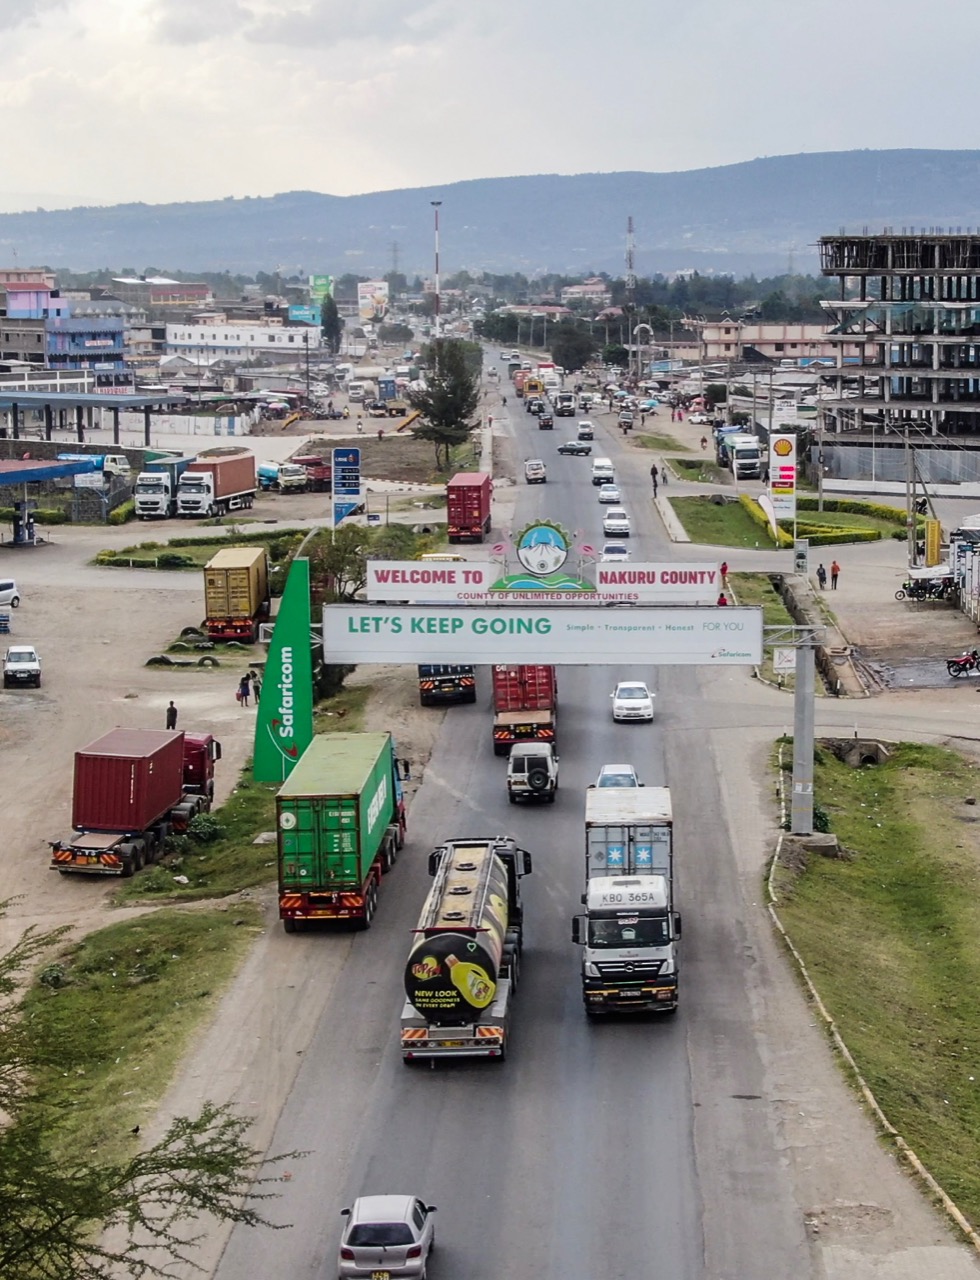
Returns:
point(205, 828)
point(759, 517)
point(123, 513)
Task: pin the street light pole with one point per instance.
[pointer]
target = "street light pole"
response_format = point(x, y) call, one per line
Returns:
point(435, 205)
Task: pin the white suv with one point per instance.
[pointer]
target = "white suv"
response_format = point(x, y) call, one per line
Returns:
point(532, 772)
point(21, 665)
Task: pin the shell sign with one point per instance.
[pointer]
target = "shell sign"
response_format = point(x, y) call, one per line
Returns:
point(782, 476)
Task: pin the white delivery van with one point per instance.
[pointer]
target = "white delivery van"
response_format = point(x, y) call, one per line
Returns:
point(603, 471)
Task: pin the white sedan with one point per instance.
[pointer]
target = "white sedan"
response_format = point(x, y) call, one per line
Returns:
point(632, 701)
point(616, 523)
point(613, 551)
point(610, 493)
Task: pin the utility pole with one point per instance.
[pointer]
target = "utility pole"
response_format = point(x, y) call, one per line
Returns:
point(909, 500)
point(631, 277)
point(435, 205)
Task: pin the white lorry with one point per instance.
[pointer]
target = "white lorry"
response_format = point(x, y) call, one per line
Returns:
point(630, 931)
point(743, 455)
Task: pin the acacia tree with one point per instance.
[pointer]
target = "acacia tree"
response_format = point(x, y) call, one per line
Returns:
point(97, 1219)
point(448, 400)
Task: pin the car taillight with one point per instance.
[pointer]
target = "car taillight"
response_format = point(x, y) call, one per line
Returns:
point(414, 1252)
point(347, 1255)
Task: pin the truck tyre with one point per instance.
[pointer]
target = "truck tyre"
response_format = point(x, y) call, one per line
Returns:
point(289, 925)
point(127, 855)
point(471, 696)
point(370, 902)
point(499, 749)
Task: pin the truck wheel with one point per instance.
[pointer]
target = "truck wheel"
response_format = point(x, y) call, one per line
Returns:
point(128, 860)
point(289, 925)
point(551, 797)
point(499, 750)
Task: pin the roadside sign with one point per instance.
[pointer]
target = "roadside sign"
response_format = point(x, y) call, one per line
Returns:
point(346, 483)
point(691, 636)
point(782, 475)
point(484, 582)
point(784, 661)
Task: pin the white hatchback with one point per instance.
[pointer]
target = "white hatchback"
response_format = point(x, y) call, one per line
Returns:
point(616, 523)
point(631, 700)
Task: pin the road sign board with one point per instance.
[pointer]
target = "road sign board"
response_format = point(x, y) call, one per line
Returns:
point(685, 636)
point(347, 472)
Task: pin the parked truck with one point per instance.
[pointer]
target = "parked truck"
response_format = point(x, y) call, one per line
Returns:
point(525, 705)
point(318, 471)
point(463, 967)
point(441, 683)
point(340, 820)
point(132, 788)
point(155, 495)
point(468, 498)
point(630, 932)
point(217, 482)
point(742, 454)
point(236, 593)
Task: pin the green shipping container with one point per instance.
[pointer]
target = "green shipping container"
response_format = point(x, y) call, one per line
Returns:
point(333, 810)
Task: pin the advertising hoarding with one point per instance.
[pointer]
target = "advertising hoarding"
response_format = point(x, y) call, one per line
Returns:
point(477, 581)
point(599, 635)
point(305, 315)
point(372, 299)
point(321, 287)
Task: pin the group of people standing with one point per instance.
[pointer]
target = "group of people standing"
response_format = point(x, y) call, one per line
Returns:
point(250, 685)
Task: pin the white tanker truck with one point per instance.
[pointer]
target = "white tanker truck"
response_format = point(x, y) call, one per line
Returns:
point(462, 970)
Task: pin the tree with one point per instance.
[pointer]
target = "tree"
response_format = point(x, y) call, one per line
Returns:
point(616, 354)
point(448, 400)
point(98, 1219)
point(716, 393)
point(395, 334)
point(571, 348)
point(331, 324)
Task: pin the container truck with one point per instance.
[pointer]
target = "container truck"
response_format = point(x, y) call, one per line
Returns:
point(132, 788)
point(630, 932)
point(468, 497)
point(520, 377)
point(742, 454)
point(462, 970)
point(525, 705)
point(340, 822)
point(442, 682)
point(216, 483)
point(155, 495)
point(236, 593)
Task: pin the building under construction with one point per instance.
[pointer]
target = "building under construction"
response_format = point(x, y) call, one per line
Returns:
point(911, 304)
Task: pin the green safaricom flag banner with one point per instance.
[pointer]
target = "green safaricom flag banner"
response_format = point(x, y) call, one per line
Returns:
point(284, 727)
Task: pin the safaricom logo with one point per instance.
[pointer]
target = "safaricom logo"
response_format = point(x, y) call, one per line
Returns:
point(285, 718)
point(378, 802)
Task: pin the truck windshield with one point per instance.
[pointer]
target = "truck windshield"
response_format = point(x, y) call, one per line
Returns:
point(629, 931)
point(192, 482)
point(154, 485)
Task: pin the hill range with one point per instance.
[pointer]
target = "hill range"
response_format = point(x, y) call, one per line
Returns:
point(761, 216)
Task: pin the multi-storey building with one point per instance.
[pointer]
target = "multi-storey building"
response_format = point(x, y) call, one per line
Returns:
point(910, 304)
point(241, 340)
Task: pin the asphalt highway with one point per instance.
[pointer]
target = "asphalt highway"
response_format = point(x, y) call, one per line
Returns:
point(620, 1150)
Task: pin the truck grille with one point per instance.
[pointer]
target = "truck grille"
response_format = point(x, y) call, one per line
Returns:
point(629, 968)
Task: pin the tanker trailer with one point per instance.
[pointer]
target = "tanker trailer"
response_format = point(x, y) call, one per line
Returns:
point(462, 970)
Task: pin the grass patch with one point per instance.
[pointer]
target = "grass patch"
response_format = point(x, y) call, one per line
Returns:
point(702, 470)
point(116, 1012)
point(890, 939)
point(719, 524)
point(664, 444)
point(756, 589)
point(343, 713)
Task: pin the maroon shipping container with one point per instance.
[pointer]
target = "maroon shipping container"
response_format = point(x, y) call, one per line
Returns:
point(233, 472)
point(468, 506)
point(127, 779)
point(532, 687)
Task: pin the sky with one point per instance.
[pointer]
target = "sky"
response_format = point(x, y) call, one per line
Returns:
point(109, 101)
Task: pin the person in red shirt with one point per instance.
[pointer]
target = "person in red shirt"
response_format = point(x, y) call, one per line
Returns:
point(723, 599)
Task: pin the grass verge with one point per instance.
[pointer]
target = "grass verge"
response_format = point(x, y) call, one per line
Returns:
point(117, 1010)
point(665, 444)
point(719, 524)
point(702, 470)
point(756, 589)
point(889, 937)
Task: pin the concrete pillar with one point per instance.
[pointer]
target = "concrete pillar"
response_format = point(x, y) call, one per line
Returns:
point(79, 424)
point(48, 421)
point(115, 425)
point(146, 426)
point(15, 420)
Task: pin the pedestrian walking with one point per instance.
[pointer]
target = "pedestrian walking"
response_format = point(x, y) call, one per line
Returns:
point(704, 443)
point(406, 770)
point(680, 415)
point(834, 574)
point(245, 689)
point(722, 600)
point(673, 415)
point(664, 476)
point(643, 419)
point(171, 716)
point(654, 476)
point(821, 577)
point(381, 433)
point(256, 686)
point(724, 570)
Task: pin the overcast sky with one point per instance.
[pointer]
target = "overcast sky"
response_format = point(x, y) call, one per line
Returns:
point(158, 100)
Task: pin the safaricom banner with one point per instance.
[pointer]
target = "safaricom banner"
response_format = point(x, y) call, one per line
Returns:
point(482, 582)
point(571, 637)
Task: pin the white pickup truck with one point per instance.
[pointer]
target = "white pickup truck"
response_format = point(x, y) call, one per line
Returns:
point(21, 665)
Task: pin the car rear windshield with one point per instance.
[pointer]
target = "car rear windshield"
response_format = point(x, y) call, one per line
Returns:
point(377, 1234)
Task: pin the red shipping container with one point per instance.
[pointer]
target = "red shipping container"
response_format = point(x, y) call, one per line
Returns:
point(468, 496)
point(127, 779)
point(531, 687)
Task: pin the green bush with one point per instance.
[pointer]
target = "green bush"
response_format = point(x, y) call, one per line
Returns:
point(123, 513)
point(759, 517)
point(42, 515)
point(174, 560)
point(205, 828)
point(852, 506)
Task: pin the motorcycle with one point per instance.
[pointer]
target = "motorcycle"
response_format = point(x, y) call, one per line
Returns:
point(927, 589)
point(964, 664)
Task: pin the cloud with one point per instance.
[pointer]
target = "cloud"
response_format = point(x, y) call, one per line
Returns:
point(189, 22)
point(29, 13)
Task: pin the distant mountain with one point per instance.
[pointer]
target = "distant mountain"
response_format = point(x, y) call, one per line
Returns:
point(758, 216)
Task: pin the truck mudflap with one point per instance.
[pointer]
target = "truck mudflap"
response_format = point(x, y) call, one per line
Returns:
point(641, 997)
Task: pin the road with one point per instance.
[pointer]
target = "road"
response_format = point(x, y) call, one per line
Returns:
point(595, 1149)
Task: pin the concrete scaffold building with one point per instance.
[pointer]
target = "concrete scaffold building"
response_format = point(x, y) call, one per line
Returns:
point(914, 313)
